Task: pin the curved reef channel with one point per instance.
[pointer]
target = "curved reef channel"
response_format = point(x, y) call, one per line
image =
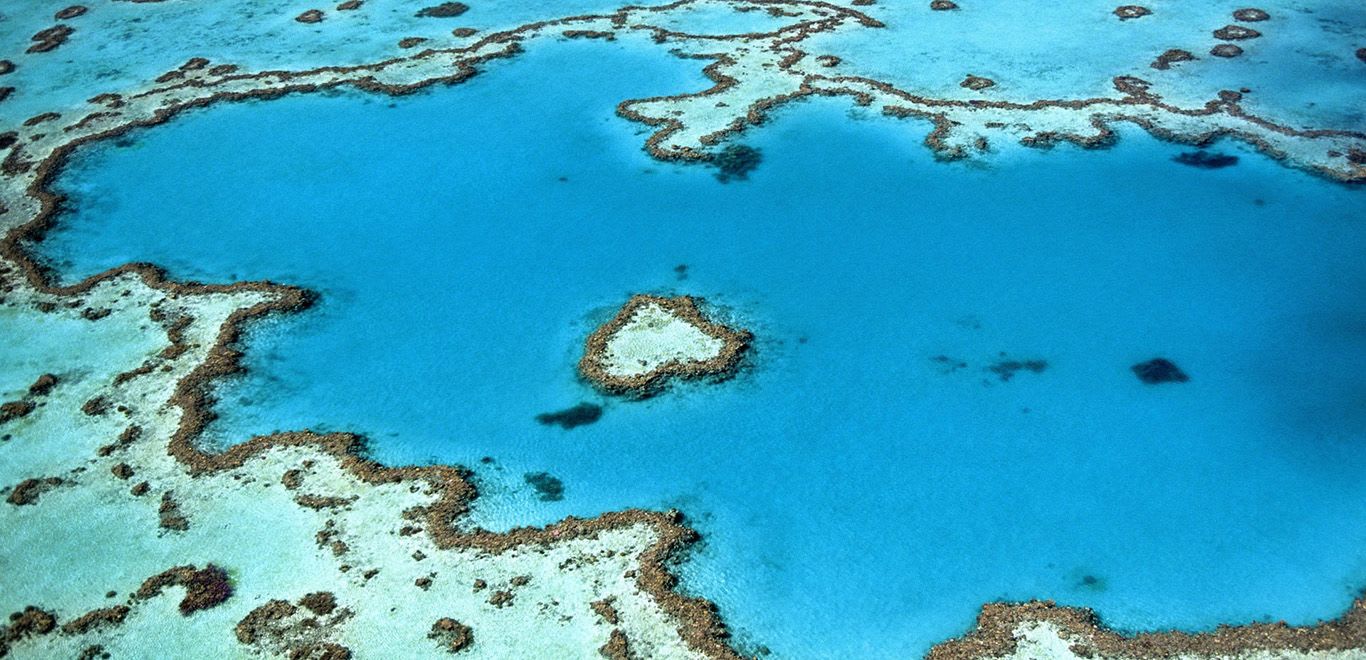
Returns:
point(419, 244)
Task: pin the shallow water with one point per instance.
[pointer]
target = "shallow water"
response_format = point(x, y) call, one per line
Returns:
point(858, 496)
point(1302, 71)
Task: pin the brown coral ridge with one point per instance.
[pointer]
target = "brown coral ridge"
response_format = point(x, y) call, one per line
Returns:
point(204, 587)
point(50, 38)
point(28, 491)
point(443, 10)
point(667, 126)
point(169, 514)
point(31, 622)
point(1236, 33)
point(12, 410)
point(310, 16)
point(605, 610)
point(977, 83)
point(994, 635)
point(1226, 50)
point(283, 628)
point(108, 616)
point(943, 5)
point(617, 646)
point(70, 12)
point(1250, 15)
point(43, 385)
point(1170, 57)
point(734, 343)
point(452, 635)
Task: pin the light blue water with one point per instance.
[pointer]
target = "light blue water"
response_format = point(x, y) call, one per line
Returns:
point(856, 499)
point(121, 45)
point(1303, 70)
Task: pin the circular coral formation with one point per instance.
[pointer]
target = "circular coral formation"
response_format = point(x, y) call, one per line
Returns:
point(463, 32)
point(1236, 33)
point(349, 5)
point(828, 60)
point(943, 5)
point(310, 16)
point(977, 83)
point(1126, 12)
point(409, 42)
point(1250, 15)
point(1226, 50)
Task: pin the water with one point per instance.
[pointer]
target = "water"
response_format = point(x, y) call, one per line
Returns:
point(858, 497)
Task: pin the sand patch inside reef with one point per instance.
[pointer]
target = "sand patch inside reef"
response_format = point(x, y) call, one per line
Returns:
point(654, 337)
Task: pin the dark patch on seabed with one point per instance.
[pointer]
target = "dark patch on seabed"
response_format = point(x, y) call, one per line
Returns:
point(735, 162)
point(1006, 369)
point(548, 487)
point(948, 365)
point(1159, 370)
point(1206, 160)
point(579, 415)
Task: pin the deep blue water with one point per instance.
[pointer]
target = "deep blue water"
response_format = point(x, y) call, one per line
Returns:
point(858, 496)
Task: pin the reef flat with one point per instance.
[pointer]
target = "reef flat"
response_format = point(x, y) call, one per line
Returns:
point(255, 534)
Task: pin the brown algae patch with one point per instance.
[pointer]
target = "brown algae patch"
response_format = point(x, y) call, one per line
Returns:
point(653, 339)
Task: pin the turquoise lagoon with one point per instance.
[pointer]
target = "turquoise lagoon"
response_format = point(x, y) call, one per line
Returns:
point(859, 494)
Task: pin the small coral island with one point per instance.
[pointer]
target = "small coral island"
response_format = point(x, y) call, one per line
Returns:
point(654, 338)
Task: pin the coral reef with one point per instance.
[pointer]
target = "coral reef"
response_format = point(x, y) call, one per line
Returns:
point(443, 10)
point(1127, 12)
point(976, 83)
point(1250, 15)
point(1226, 50)
point(204, 587)
point(452, 635)
point(652, 339)
point(50, 38)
